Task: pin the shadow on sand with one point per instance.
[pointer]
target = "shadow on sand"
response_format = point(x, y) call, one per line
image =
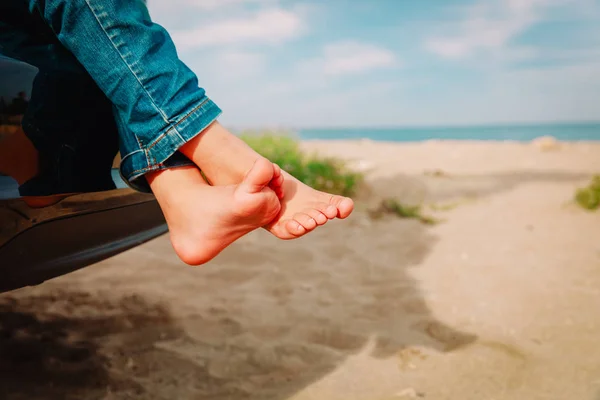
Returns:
point(325, 298)
point(268, 322)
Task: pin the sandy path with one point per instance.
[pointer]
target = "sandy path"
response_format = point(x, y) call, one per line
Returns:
point(500, 301)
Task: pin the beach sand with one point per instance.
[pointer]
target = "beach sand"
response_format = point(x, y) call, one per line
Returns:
point(499, 301)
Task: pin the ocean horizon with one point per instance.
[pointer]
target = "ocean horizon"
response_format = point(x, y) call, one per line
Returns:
point(519, 133)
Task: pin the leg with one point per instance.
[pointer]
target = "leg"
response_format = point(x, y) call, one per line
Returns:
point(156, 98)
point(161, 108)
point(158, 103)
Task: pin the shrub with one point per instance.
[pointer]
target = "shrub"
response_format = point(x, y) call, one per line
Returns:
point(327, 174)
point(589, 197)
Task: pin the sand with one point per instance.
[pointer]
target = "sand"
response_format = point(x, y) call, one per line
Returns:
point(500, 300)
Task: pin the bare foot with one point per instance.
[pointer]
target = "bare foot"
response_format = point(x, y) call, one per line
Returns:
point(304, 208)
point(276, 183)
point(224, 158)
point(203, 220)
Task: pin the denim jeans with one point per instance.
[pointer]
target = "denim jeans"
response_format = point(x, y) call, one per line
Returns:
point(120, 73)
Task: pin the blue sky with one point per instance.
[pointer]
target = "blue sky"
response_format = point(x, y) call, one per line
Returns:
point(391, 62)
point(350, 63)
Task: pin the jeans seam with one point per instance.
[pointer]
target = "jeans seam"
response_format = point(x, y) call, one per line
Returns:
point(145, 169)
point(174, 127)
point(149, 168)
point(96, 16)
point(130, 154)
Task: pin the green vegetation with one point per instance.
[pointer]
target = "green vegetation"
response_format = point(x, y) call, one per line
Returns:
point(589, 197)
point(393, 206)
point(327, 174)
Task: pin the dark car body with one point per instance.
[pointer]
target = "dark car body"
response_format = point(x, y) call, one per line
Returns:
point(38, 243)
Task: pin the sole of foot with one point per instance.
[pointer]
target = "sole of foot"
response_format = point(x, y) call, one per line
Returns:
point(203, 220)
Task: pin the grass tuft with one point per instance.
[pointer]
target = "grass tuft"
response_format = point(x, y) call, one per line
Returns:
point(393, 206)
point(321, 173)
point(589, 196)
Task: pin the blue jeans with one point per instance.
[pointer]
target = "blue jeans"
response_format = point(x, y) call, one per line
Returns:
point(120, 73)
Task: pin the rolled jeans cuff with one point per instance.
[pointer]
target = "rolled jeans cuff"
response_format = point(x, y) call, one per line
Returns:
point(162, 152)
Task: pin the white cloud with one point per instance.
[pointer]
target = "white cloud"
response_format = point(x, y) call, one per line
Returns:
point(248, 60)
point(353, 57)
point(489, 26)
point(215, 4)
point(270, 26)
point(178, 7)
point(346, 57)
point(479, 34)
point(238, 64)
point(526, 5)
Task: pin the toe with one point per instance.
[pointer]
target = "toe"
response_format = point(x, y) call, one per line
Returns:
point(276, 183)
point(295, 228)
point(278, 189)
point(329, 210)
point(280, 193)
point(259, 176)
point(306, 221)
point(317, 215)
point(344, 205)
point(286, 230)
point(277, 175)
point(277, 180)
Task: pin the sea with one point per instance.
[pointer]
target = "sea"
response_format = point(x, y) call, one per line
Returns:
point(520, 133)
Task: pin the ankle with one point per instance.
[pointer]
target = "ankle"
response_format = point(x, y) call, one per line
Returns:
point(166, 183)
point(223, 157)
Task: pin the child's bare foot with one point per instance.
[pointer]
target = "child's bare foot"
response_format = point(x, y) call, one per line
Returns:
point(304, 208)
point(203, 220)
point(276, 183)
point(224, 158)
